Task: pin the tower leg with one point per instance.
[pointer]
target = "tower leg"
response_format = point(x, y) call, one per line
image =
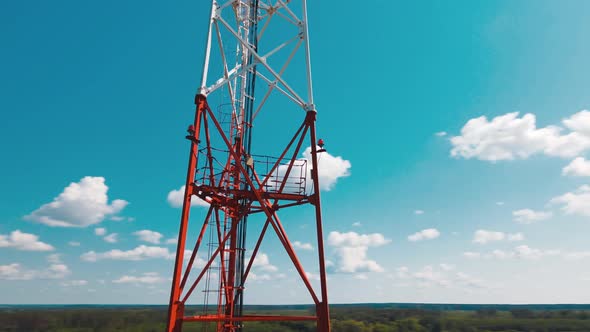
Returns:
point(176, 308)
point(323, 310)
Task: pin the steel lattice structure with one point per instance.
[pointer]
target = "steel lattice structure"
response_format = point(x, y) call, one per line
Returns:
point(235, 183)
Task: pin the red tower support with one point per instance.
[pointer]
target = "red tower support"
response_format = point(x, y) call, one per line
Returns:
point(234, 182)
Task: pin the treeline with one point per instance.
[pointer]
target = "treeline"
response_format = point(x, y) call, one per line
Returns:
point(344, 319)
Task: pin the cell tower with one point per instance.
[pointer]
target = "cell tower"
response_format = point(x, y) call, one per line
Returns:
point(262, 44)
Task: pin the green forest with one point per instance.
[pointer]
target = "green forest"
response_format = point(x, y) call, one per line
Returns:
point(345, 318)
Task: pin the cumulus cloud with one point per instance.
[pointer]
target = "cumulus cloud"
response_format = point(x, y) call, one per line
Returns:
point(15, 271)
point(425, 234)
point(471, 254)
point(351, 249)
point(145, 278)
point(579, 122)
point(172, 241)
point(577, 202)
point(81, 204)
point(429, 275)
point(357, 224)
point(508, 137)
point(515, 237)
point(148, 236)
point(330, 168)
point(70, 283)
point(176, 197)
point(302, 246)
point(100, 231)
point(262, 263)
point(419, 212)
point(54, 258)
point(520, 252)
point(483, 236)
point(577, 167)
point(259, 277)
point(23, 241)
point(528, 216)
point(56, 271)
point(444, 276)
point(441, 133)
point(111, 238)
point(141, 252)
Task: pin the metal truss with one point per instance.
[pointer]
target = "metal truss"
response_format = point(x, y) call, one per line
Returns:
point(223, 172)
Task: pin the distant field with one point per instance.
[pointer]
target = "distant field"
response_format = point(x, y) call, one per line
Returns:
point(345, 318)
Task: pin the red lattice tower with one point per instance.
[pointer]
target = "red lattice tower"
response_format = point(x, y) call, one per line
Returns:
point(234, 183)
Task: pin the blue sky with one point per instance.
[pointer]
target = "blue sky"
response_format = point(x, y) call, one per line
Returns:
point(438, 205)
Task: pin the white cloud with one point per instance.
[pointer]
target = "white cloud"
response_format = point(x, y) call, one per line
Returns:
point(577, 202)
point(23, 241)
point(141, 252)
point(444, 276)
point(100, 231)
point(176, 197)
point(111, 238)
point(578, 167)
point(74, 244)
point(528, 216)
point(579, 122)
point(483, 236)
point(56, 271)
point(81, 204)
point(508, 137)
point(146, 278)
point(302, 246)
point(351, 249)
point(262, 262)
point(515, 237)
point(441, 133)
point(446, 267)
point(172, 241)
point(499, 203)
point(402, 272)
point(471, 254)
point(357, 224)
point(149, 236)
point(330, 168)
point(418, 212)
point(429, 275)
point(259, 277)
point(525, 252)
point(15, 271)
point(54, 258)
point(425, 234)
point(70, 283)
point(520, 252)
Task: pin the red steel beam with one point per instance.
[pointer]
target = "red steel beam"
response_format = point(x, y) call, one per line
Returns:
point(247, 318)
point(175, 309)
point(323, 311)
point(266, 206)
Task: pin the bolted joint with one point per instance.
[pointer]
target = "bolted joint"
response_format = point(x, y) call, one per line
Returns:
point(200, 96)
point(309, 108)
